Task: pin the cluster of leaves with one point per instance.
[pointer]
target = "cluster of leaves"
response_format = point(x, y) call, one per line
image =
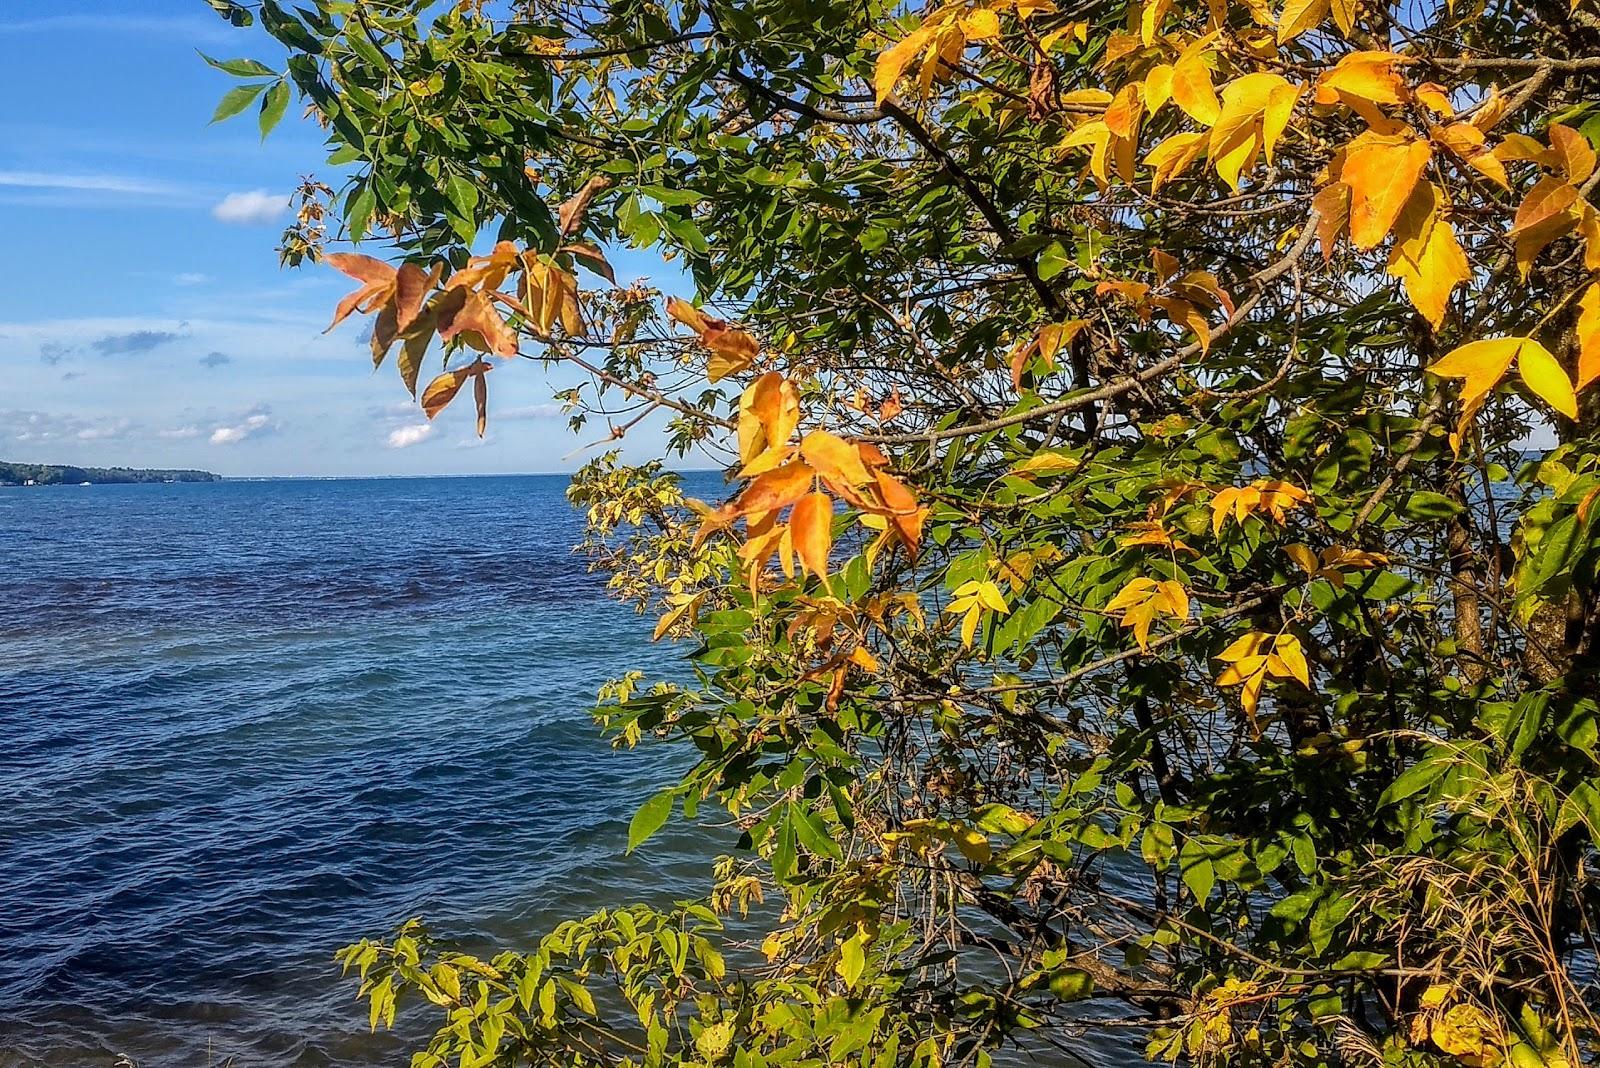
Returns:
point(1150, 603)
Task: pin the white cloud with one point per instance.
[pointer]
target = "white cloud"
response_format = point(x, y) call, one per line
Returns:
point(256, 206)
point(191, 278)
point(229, 435)
point(92, 183)
point(179, 433)
point(407, 436)
point(105, 431)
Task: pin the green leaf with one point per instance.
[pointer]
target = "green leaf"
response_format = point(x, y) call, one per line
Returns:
point(236, 100)
point(273, 105)
point(241, 68)
point(649, 819)
point(1426, 505)
point(1418, 777)
point(1071, 984)
point(852, 961)
point(1052, 261)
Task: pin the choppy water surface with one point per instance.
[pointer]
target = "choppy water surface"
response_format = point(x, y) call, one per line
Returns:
point(246, 723)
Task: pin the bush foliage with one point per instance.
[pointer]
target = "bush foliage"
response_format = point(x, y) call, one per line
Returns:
point(1156, 588)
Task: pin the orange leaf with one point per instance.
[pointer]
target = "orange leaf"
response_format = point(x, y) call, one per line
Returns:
point(775, 489)
point(1192, 90)
point(1576, 155)
point(811, 524)
point(1589, 336)
point(1545, 215)
point(769, 411)
point(1333, 215)
point(482, 325)
point(1381, 171)
point(570, 215)
point(443, 389)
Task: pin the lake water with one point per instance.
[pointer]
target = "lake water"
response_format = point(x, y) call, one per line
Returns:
point(245, 723)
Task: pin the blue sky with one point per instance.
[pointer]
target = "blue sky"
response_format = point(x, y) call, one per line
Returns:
point(147, 322)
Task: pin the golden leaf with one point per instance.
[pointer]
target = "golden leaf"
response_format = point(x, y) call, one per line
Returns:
point(1141, 600)
point(1173, 156)
point(1426, 257)
point(835, 459)
point(1192, 90)
point(1361, 79)
point(443, 389)
point(1344, 15)
point(769, 412)
point(1298, 16)
point(1381, 171)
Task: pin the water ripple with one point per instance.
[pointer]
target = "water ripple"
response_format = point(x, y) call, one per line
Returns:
point(247, 723)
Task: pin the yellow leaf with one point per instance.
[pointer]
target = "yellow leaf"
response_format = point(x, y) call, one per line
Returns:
point(834, 458)
point(1482, 364)
point(1381, 171)
point(1255, 109)
point(1589, 336)
point(1344, 15)
point(1362, 77)
point(1157, 87)
point(1150, 19)
point(1303, 556)
point(1464, 1031)
point(1541, 372)
point(1426, 257)
point(1192, 91)
point(1298, 16)
point(1287, 650)
point(1245, 646)
point(811, 526)
point(892, 63)
point(1173, 156)
point(980, 24)
point(1436, 98)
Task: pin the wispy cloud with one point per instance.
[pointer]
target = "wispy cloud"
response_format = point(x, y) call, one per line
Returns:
point(190, 278)
point(250, 426)
point(29, 427)
point(179, 433)
point(53, 352)
point(407, 436)
point(252, 208)
point(253, 424)
point(215, 359)
point(90, 183)
point(134, 342)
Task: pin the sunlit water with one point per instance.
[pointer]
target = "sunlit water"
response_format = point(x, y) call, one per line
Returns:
point(245, 723)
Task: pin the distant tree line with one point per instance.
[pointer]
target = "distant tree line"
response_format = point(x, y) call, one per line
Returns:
point(58, 474)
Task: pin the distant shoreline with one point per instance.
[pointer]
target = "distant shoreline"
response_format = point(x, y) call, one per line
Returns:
point(23, 475)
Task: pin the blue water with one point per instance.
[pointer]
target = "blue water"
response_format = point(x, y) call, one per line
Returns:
point(245, 723)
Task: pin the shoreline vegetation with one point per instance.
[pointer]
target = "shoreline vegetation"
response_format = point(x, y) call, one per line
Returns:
point(15, 474)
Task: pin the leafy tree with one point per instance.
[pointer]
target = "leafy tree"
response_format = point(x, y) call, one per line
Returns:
point(1136, 604)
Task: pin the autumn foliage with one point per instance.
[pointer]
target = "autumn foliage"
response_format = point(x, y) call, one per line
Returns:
point(1154, 610)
